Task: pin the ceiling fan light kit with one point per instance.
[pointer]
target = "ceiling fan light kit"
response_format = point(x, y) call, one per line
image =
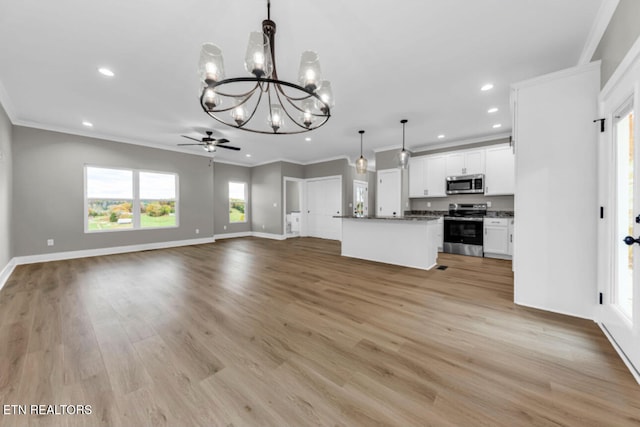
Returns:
point(209, 144)
point(281, 107)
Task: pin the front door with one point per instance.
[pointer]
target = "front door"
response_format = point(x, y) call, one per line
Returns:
point(620, 314)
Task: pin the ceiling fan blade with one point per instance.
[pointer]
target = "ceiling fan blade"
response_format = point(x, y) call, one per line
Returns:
point(228, 147)
point(222, 141)
point(188, 137)
point(189, 144)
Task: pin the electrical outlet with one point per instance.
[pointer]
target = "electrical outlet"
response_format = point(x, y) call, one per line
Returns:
point(488, 204)
point(263, 226)
point(428, 204)
point(225, 227)
point(197, 231)
point(275, 204)
point(49, 242)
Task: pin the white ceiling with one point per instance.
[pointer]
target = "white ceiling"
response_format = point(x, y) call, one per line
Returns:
point(424, 60)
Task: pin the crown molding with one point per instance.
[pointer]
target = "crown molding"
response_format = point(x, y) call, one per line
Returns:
point(599, 26)
point(567, 72)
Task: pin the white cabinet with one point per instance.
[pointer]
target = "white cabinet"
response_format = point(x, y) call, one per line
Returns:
point(427, 176)
point(389, 193)
point(500, 171)
point(417, 182)
point(496, 238)
point(465, 163)
point(435, 176)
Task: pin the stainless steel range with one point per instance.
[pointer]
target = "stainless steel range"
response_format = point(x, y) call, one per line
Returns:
point(463, 230)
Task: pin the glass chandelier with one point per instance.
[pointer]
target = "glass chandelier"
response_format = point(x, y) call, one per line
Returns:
point(278, 106)
point(361, 163)
point(404, 155)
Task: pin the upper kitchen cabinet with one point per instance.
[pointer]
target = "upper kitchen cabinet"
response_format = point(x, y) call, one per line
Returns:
point(427, 176)
point(500, 171)
point(465, 163)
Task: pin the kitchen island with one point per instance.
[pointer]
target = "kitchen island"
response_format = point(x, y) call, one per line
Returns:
point(409, 242)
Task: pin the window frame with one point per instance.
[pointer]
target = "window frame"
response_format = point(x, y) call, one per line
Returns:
point(246, 202)
point(135, 202)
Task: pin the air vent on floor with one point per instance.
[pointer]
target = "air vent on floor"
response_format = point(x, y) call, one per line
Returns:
point(441, 267)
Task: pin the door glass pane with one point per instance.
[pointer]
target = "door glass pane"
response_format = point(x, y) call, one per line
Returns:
point(623, 289)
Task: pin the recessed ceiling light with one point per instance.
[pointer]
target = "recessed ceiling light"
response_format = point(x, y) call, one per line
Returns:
point(497, 125)
point(492, 110)
point(307, 139)
point(87, 124)
point(440, 136)
point(106, 72)
point(486, 87)
point(248, 155)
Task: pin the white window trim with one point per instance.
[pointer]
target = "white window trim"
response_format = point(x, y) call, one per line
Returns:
point(246, 202)
point(135, 202)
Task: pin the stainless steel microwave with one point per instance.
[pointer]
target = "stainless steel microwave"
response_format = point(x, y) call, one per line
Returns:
point(465, 184)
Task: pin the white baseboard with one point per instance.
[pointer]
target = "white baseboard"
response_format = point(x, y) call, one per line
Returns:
point(565, 313)
point(6, 272)
point(233, 235)
point(269, 236)
point(621, 353)
point(57, 256)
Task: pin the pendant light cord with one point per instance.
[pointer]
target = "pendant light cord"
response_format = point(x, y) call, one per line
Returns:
point(361, 132)
point(403, 121)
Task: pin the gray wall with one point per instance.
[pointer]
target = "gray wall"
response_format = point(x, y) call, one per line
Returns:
point(6, 187)
point(266, 193)
point(620, 35)
point(223, 174)
point(48, 188)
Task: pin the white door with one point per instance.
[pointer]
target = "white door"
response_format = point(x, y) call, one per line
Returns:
point(389, 194)
point(324, 201)
point(500, 171)
point(360, 198)
point(620, 313)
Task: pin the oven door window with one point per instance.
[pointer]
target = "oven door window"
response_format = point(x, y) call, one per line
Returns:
point(467, 232)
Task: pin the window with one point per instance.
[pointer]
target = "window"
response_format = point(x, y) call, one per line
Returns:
point(157, 200)
point(125, 199)
point(237, 202)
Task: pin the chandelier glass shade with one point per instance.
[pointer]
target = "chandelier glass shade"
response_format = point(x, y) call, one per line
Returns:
point(361, 163)
point(261, 102)
point(404, 155)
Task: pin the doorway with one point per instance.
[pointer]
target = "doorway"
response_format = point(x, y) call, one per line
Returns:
point(360, 198)
point(292, 206)
point(619, 234)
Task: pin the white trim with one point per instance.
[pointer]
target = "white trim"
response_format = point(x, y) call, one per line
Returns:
point(295, 162)
point(233, 235)
point(57, 256)
point(6, 272)
point(558, 75)
point(566, 313)
point(599, 26)
point(322, 178)
point(460, 142)
point(621, 353)
point(625, 66)
point(269, 236)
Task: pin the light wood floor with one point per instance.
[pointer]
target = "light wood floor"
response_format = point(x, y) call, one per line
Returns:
point(265, 333)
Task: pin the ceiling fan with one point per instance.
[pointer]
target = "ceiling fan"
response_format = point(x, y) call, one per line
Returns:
point(210, 144)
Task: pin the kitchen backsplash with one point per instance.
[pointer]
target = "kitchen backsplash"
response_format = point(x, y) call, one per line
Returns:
point(498, 203)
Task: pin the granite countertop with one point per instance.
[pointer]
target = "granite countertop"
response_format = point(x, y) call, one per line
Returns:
point(438, 214)
point(392, 218)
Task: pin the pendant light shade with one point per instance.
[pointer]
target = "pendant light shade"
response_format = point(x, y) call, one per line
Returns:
point(404, 155)
point(361, 163)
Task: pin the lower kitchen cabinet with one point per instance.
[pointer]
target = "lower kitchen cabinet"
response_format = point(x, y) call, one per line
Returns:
point(440, 234)
point(496, 238)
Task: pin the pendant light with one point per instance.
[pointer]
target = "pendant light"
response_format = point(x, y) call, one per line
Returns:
point(361, 163)
point(404, 155)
